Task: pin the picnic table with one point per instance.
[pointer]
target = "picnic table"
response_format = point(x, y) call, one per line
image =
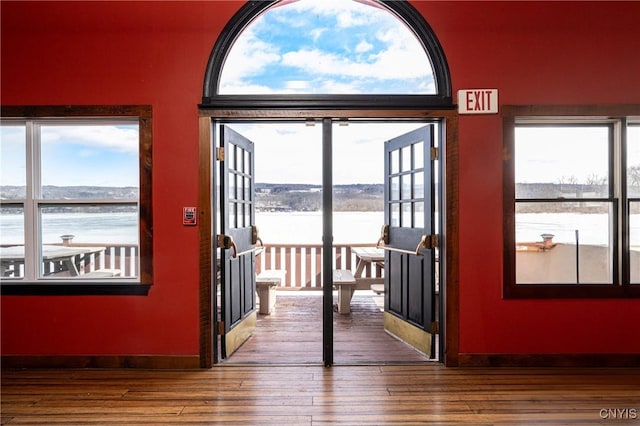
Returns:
point(13, 256)
point(367, 257)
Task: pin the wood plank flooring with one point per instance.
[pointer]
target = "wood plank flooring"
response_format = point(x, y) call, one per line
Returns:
point(313, 395)
point(292, 334)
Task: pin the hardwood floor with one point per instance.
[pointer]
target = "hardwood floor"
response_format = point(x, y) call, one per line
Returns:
point(313, 395)
point(292, 334)
point(253, 389)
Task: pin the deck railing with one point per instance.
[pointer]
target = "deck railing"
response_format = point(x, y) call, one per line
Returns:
point(303, 262)
point(120, 257)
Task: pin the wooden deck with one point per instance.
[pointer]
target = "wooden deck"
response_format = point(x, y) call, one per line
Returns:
point(292, 334)
point(313, 395)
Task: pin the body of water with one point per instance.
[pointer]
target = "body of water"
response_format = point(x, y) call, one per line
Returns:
point(306, 227)
point(85, 227)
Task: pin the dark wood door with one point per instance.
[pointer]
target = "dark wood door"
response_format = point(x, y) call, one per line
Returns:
point(237, 242)
point(408, 238)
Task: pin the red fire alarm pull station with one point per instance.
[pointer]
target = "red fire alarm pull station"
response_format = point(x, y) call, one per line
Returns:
point(189, 216)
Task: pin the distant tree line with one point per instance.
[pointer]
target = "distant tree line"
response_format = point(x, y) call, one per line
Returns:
point(297, 197)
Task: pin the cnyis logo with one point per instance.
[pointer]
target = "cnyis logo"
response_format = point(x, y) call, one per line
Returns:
point(619, 414)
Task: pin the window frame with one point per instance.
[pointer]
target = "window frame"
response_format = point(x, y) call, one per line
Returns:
point(404, 11)
point(615, 115)
point(143, 114)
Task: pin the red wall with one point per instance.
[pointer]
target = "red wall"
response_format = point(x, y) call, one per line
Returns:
point(156, 53)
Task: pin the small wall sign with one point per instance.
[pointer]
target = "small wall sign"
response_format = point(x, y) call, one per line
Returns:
point(478, 101)
point(189, 216)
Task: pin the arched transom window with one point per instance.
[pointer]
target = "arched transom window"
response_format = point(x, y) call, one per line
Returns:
point(327, 47)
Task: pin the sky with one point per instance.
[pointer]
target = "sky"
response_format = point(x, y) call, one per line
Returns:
point(105, 155)
point(327, 46)
point(292, 152)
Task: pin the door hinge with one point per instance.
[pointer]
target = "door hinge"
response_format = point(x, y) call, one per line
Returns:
point(435, 327)
point(220, 154)
point(221, 328)
point(435, 153)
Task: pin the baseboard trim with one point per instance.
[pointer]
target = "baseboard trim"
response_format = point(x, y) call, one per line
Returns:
point(102, 361)
point(548, 360)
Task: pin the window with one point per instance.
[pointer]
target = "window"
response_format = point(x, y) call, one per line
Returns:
point(75, 201)
point(291, 48)
point(279, 53)
point(571, 210)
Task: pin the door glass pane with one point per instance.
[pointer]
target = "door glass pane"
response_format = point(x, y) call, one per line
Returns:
point(232, 215)
point(12, 242)
point(418, 155)
point(406, 159)
point(241, 215)
point(406, 187)
point(564, 242)
point(395, 214)
point(407, 215)
point(232, 185)
point(13, 168)
point(230, 155)
point(418, 215)
point(79, 240)
point(90, 161)
point(395, 161)
point(247, 189)
point(395, 188)
point(418, 185)
point(247, 162)
point(239, 187)
point(546, 166)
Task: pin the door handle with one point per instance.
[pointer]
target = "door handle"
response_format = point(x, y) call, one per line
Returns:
point(226, 242)
point(426, 242)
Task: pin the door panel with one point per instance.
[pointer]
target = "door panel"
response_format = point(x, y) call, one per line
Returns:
point(237, 211)
point(409, 257)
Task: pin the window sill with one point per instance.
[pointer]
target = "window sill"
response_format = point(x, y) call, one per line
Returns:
point(67, 288)
point(570, 291)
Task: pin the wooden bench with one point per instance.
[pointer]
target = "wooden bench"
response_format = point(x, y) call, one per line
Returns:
point(102, 273)
point(377, 288)
point(266, 284)
point(344, 281)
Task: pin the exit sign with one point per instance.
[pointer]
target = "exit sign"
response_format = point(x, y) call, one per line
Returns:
point(478, 101)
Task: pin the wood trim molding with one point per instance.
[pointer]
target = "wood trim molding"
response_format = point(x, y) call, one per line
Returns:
point(450, 253)
point(207, 305)
point(144, 114)
point(548, 360)
point(102, 361)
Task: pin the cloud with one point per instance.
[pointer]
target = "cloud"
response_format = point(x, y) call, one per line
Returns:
point(122, 139)
point(363, 46)
point(320, 47)
point(248, 57)
point(316, 33)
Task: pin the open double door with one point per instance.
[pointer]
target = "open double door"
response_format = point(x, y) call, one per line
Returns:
point(408, 239)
